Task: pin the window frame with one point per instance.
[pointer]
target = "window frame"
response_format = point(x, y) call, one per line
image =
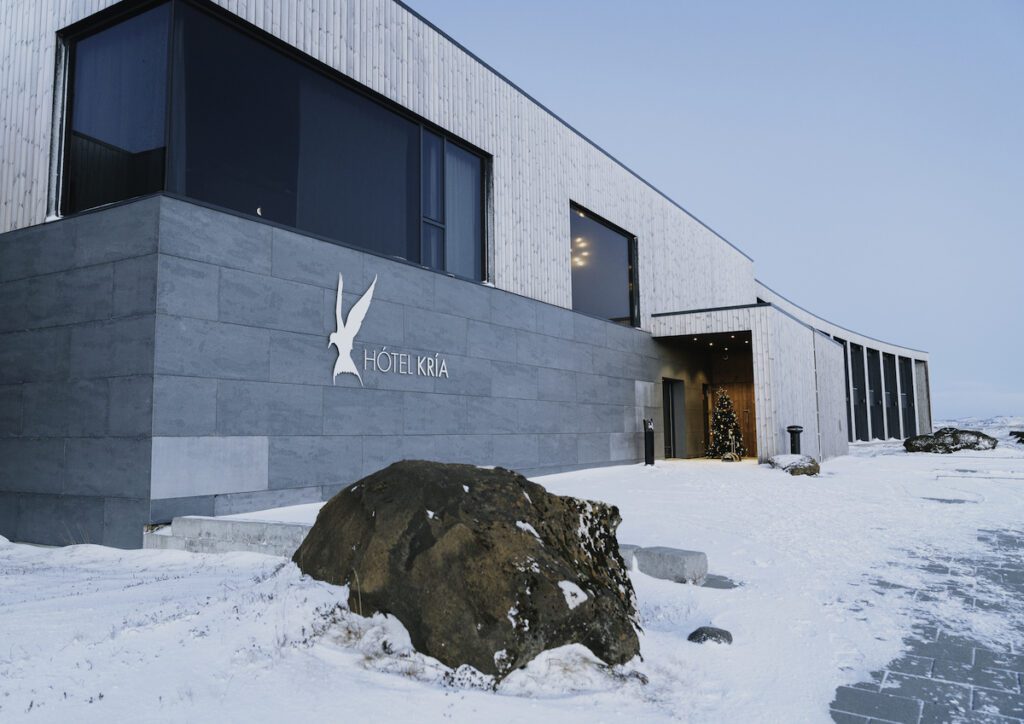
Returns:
point(122, 11)
point(633, 255)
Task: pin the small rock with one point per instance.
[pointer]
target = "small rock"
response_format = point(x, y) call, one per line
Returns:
point(1017, 435)
point(796, 464)
point(710, 633)
point(948, 440)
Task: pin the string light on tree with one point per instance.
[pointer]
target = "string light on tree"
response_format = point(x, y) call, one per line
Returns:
point(725, 429)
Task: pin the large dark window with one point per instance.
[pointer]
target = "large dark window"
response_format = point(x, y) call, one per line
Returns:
point(117, 110)
point(860, 399)
point(875, 394)
point(262, 131)
point(603, 261)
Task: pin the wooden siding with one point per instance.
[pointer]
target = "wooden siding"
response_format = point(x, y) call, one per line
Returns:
point(539, 163)
point(830, 376)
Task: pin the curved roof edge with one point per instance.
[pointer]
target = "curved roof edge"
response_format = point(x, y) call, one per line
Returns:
point(565, 123)
point(764, 286)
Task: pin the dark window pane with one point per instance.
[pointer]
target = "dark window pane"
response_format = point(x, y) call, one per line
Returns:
point(601, 269)
point(463, 214)
point(259, 132)
point(118, 104)
point(433, 246)
point(433, 175)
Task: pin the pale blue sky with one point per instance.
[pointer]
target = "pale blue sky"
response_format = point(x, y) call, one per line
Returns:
point(869, 156)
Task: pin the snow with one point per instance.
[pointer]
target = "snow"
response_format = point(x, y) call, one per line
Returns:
point(97, 634)
point(574, 595)
point(528, 529)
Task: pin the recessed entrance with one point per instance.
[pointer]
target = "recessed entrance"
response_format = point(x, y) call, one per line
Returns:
point(708, 363)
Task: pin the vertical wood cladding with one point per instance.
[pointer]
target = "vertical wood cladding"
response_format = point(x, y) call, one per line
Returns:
point(539, 163)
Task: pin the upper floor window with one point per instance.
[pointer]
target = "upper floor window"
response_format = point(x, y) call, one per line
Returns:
point(603, 261)
point(263, 131)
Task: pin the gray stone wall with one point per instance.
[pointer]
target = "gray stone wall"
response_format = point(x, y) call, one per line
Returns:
point(245, 413)
point(76, 363)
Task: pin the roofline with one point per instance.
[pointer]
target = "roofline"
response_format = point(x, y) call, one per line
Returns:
point(561, 120)
point(846, 329)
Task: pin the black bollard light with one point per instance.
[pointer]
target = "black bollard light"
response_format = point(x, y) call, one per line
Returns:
point(649, 442)
point(794, 438)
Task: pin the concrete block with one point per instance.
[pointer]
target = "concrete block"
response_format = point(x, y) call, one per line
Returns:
point(116, 232)
point(431, 414)
point(672, 564)
point(513, 380)
point(599, 418)
point(184, 405)
point(302, 358)
point(314, 460)
point(516, 451)
point(60, 519)
point(879, 706)
point(33, 356)
point(926, 689)
point(154, 541)
point(491, 415)
point(489, 341)
point(942, 650)
point(463, 298)
point(555, 321)
point(36, 250)
point(543, 351)
point(511, 310)
point(187, 288)
point(594, 448)
point(211, 349)
point(112, 349)
point(545, 416)
point(135, 286)
point(233, 503)
point(55, 409)
point(614, 363)
point(999, 660)
point(268, 408)
point(202, 234)
point(557, 385)
point(974, 676)
point(123, 521)
point(622, 338)
point(32, 466)
point(301, 258)
point(264, 301)
point(194, 466)
point(107, 466)
point(628, 553)
point(467, 376)
point(429, 331)
point(14, 302)
point(397, 282)
point(11, 407)
point(590, 330)
point(558, 450)
point(9, 515)
point(470, 449)
point(130, 410)
point(163, 511)
point(626, 446)
point(379, 451)
point(358, 411)
point(68, 297)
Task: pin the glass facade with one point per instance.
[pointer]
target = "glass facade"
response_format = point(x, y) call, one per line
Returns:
point(116, 125)
point(259, 131)
point(603, 263)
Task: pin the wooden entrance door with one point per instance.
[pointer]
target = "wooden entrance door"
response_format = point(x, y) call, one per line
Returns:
point(742, 396)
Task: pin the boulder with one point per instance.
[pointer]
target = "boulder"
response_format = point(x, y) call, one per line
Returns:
point(796, 464)
point(482, 566)
point(949, 440)
point(710, 633)
point(1017, 435)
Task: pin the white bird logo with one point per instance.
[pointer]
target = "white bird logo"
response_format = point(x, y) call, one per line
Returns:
point(347, 331)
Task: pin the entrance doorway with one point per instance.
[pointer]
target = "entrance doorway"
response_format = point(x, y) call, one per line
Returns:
point(674, 405)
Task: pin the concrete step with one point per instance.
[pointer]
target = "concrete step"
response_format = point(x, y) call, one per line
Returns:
point(200, 534)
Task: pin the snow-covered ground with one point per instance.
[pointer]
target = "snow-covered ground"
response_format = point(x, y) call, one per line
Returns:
point(96, 634)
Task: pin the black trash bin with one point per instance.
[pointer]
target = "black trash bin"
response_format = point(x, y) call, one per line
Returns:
point(649, 442)
point(794, 438)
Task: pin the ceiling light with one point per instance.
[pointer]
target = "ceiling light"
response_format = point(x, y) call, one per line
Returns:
point(586, 253)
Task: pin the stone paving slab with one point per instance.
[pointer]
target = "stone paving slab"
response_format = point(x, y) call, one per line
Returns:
point(944, 677)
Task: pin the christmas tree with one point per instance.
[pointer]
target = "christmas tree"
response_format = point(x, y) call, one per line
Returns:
point(725, 429)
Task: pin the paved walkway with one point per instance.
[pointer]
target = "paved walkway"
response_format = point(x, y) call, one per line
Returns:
point(944, 677)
